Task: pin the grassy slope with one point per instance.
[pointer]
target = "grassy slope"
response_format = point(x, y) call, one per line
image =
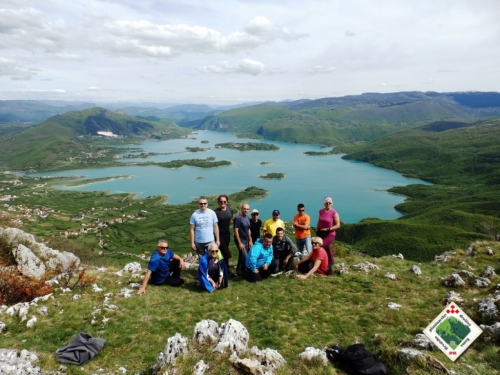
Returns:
point(464, 164)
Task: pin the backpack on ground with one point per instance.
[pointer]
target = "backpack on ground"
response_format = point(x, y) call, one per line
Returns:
point(357, 359)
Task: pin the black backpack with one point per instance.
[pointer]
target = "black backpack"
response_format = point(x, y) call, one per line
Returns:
point(357, 359)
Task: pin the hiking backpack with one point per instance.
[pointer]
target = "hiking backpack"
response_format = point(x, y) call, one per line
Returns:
point(357, 359)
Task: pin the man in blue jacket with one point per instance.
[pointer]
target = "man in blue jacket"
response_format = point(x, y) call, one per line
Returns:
point(259, 261)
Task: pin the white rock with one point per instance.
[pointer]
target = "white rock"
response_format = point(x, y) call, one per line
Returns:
point(482, 282)
point(492, 331)
point(96, 288)
point(11, 363)
point(125, 292)
point(123, 370)
point(200, 368)
point(416, 270)
point(394, 306)
point(206, 331)
point(132, 267)
point(31, 322)
point(390, 276)
point(452, 296)
point(269, 358)
point(2, 326)
point(489, 272)
point(76, 296)
point(176, 346)
point(409, 355)
point(366, 266)
point(233, 336)
point(135, 285)
point(400, 256)
point(311, 353)
point(453, 280)
point(43, 310)
point(422, 342)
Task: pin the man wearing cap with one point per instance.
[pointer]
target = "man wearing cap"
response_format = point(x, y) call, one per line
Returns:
point(242, 237)
point(255, 225)
point(259, 261)
point(273, 223)
point(204, 229)
point(164, 268)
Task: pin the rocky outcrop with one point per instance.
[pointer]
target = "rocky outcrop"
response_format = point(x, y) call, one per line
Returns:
point(22, 364)
point(33, 258)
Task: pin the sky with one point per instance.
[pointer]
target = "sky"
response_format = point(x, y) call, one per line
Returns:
point(237, 51)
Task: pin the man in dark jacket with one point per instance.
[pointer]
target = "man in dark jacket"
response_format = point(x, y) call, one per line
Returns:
point(283, 251)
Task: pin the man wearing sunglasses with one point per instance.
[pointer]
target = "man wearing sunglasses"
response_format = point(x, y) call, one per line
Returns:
point(204, 229)
point(164, 268)
point(259, 262)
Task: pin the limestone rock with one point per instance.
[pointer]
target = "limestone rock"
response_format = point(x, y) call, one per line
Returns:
point(206, 331)
point(2, 326)
point(409, 355)
point(452, 296)
point(394, 306)
point(467, 276)
point(400, 256)
point(250, 366)
point(366, 266)
point(489, 272)
point(28, 263)
point(489, 251)
point(176, 346)
point(270, 359)
point(31, 322)
point(200, 368)
point(233, 336)
point(132, 267)
point(43, 310)
point(311, 353)
point(492, 332)
point(482, 282)
point(390, 276)
point(11, 363)
point(422, 342)
point(487, 308)
point(416, 270)
point(453, 280)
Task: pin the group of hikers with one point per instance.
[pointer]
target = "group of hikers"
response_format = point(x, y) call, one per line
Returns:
point(263, 250)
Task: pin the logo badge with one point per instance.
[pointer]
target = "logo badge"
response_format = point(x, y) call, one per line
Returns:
point(452, 331)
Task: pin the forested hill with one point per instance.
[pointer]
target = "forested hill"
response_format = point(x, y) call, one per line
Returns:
point(464, 204)
point(71, 136)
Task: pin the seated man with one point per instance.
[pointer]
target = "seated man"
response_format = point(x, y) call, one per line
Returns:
point(283, 250)
point(164, 268)
point(259, 263)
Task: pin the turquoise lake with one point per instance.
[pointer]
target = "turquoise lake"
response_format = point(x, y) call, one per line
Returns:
point(357, 188)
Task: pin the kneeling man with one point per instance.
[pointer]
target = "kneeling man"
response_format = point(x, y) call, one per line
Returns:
point(259, 261)
point(164, 268)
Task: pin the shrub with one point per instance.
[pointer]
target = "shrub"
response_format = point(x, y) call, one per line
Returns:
point(16, 287)
point(6, 256)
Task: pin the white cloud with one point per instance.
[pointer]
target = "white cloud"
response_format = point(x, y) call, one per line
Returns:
point(28, 29)
point(69, 56)
point(14, 70)
point(349, 34)
point(320, 69)
point(245, 66)
point(57, 91)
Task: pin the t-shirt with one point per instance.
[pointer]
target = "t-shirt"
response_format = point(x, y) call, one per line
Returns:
point(242, 224)
point(203, 225)
point(255, 229)
point(304, 219)
point(159, 266)
point(270, 226)
point(326, 218)
point(224, 219)
point(321, 254)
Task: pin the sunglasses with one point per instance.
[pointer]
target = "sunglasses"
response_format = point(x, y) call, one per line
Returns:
point(213, 251)
point(328, 202)
point(315, 243)
point(255, 214)
point(301, 210)
point(203, 203)
point(222, 201)
point(163, 247)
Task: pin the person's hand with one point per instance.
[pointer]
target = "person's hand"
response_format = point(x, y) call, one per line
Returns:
point(183, 265)
point(256, 270)
point(141, 291)
point(301, 277)
point(296, 267)
point(218, 243)
point(264, 267)
point(193, 246)
point(242, 246)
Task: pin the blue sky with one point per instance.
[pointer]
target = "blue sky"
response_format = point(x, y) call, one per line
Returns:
point(227, 52)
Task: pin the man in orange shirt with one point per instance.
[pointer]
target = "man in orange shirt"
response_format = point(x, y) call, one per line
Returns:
point(302, 226)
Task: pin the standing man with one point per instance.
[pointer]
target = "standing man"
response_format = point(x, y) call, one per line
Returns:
point(164, 268)
point(255, 225)
point(204, 228)
point(259, 261)
point(302, 226)
point(242, 237)
point(283, 250)
point(273, 223)
point(224, 215)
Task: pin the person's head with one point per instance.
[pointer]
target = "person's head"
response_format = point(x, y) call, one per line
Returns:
point(301, 208)
point(212, 250)
point(245, 208)
point(162, 247)
point(255, 214)
point(223, 201)
point(203, 203)
point(268, 240)
point(280, 233)
point(328, 202)
point(316, 242)
point(276, 215)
